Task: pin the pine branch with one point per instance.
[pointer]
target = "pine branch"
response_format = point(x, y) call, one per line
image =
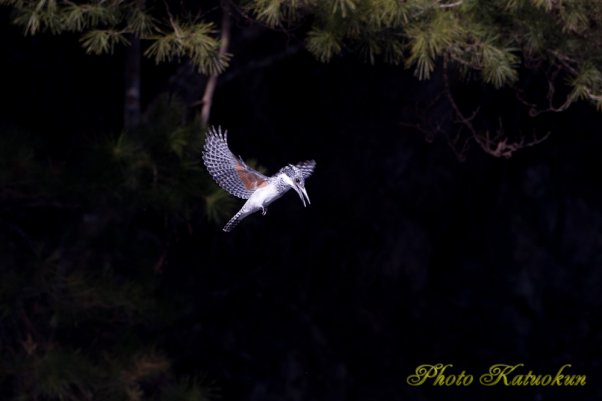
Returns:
point(343, 7)
point(268, 12)
point(323, 44)
point(102, 41)
point(388, 13)
point(193, 41)
point(450, 5)
point(498, 65)
point(141, 23)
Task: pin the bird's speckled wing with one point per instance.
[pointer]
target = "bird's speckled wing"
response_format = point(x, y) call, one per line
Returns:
point(306, 167)
point(230, 172)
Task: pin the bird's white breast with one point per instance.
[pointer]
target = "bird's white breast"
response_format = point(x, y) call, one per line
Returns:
point(263, 196)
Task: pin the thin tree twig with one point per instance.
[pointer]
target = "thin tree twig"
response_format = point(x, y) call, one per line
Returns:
point(450, 5)
point(223, 48)
point(497, 145)
point(467, 121)
point(535, 110)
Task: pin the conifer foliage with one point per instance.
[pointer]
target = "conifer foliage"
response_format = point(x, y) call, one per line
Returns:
point(489, 39)
point(81, 263)
point(106, 24)
point(95, 263)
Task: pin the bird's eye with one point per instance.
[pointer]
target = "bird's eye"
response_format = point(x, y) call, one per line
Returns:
point(297, 180)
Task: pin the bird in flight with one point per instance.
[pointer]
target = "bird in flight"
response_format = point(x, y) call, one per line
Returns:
point(233, 175)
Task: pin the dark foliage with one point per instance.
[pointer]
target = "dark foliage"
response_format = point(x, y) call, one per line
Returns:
point(116, 281)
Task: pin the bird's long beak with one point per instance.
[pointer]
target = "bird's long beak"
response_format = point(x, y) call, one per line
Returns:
point(302, 194)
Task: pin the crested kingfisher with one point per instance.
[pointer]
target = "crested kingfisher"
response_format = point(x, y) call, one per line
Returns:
point(233, 175)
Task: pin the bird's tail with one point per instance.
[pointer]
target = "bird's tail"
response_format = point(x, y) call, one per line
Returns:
point(234, 221)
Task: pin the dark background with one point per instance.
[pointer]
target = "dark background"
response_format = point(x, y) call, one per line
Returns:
point(408, 254)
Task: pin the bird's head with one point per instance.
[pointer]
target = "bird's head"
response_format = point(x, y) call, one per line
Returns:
point(293, 177)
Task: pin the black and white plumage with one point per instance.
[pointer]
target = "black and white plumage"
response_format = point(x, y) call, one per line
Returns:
point(236, 177)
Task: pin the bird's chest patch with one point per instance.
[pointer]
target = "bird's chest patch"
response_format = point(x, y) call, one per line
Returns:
point(250, 180)
point(265, 195)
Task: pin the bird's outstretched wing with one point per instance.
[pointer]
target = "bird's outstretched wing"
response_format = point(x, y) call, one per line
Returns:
point(306, 167)
point(230, 172)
